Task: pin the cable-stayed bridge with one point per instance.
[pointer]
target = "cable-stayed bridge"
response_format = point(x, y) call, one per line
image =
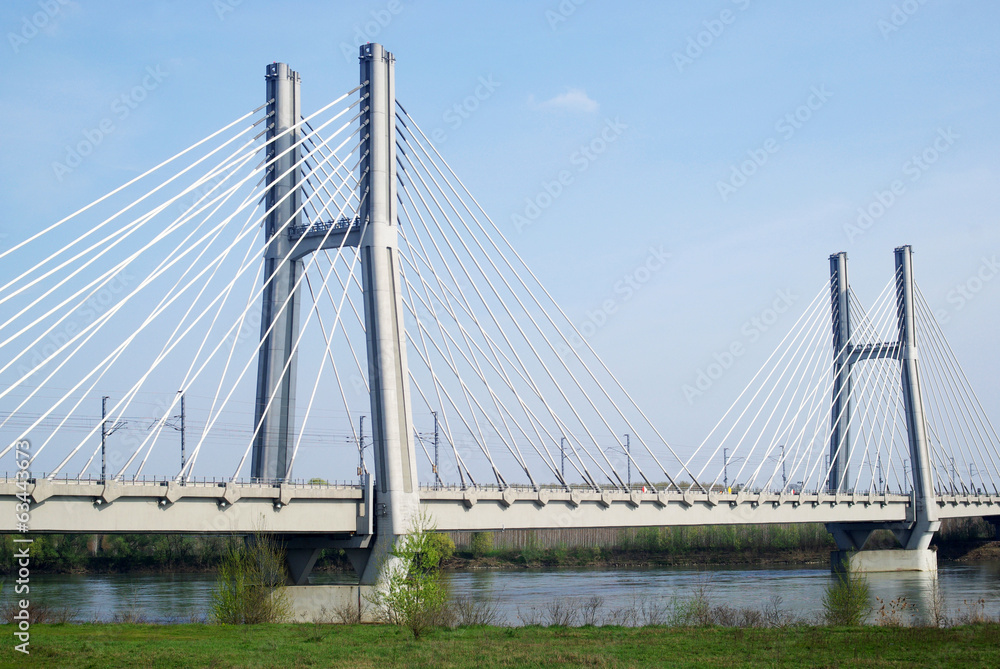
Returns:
point(240, 311)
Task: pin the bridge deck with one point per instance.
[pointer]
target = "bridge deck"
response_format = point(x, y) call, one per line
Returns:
point(205, 508)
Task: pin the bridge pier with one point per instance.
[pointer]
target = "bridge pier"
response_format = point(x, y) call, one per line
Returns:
point(915, 534)
point(851, 555)
point(893, 559)
point(331, 603)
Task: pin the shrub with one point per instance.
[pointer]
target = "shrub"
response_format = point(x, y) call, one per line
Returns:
point(443, 545)
point(410, 592)
point(251, 579)
point(846, 600)
point(482, 543)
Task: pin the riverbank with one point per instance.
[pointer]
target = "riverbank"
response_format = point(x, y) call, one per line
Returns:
point(626, 559)
point(746, 545)
point(349, 646)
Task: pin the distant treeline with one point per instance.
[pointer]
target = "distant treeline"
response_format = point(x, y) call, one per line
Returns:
point(172, 552)
point(651, 539)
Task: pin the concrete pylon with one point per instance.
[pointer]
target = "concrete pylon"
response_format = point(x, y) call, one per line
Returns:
point(396, 489)
point(840, 435)
point(915, 533)
point(274, 419)
point(925, 521)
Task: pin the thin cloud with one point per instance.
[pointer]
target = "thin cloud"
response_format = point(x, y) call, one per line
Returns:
point(573, 100)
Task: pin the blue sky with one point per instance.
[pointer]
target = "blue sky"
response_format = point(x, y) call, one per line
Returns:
point(743, 138)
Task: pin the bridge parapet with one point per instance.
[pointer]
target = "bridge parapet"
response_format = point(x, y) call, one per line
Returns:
point(194, 508)
point(515, 508)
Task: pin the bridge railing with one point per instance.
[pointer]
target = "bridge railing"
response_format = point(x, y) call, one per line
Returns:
point(66, 479)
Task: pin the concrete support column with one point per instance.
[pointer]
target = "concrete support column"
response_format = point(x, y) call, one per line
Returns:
point(396, 491)
point(848, 536)
point(276, 371)
point(925, 520)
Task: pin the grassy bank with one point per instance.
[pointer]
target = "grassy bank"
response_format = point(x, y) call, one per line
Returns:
point(310, 645)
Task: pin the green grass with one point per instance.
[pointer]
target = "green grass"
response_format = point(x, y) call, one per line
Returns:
point(309, 645)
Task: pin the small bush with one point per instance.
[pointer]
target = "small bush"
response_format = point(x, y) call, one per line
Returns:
point(560, 614)
point(482, 543)
point(470, 611)
point(411, 592)
point(890, 613)
point(38, 612)
point(442, 545)
point(590, 612)
point(846, 602)
point(250, 588)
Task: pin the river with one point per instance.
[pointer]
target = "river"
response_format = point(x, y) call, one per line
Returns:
point(185, 597)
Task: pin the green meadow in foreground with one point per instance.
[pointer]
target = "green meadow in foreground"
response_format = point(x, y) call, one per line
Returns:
point(309, 645)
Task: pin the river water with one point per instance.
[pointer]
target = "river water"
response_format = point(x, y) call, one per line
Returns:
point(185, 597)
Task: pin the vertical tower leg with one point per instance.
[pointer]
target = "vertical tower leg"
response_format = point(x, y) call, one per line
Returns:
point(848, 536)
point(840, 416)
point(275, 406)
point(397, 494)
point(924, 506)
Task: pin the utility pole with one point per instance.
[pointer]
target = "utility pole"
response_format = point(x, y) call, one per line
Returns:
point(784, 479)
point(437, 474)
point(628, 461)
point(183, 459)
point(361, 448)
point(105, 433)
point(562, 460)
point(104, 436)
point(725, 469)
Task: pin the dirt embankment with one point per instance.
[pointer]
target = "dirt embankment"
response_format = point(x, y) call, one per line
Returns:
point(971, 551)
